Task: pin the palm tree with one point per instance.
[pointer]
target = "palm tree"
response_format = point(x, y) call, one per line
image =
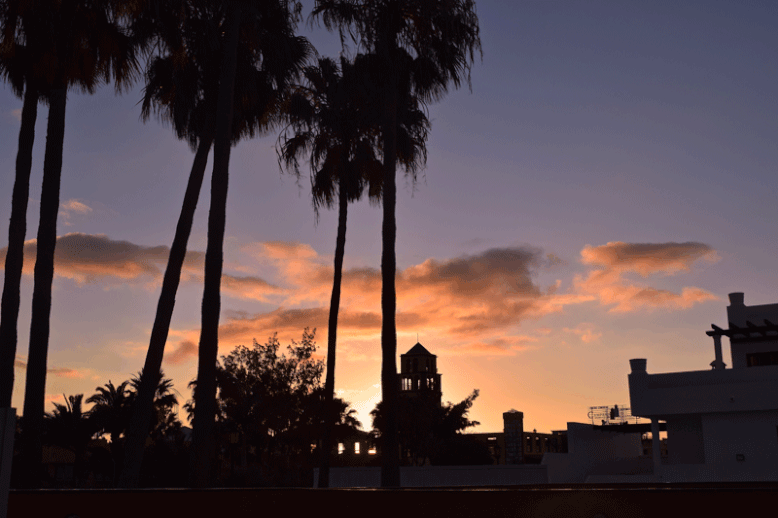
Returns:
point(111, 410)
point(332, 123)
point(182, 88)
point(179, 89)
point(422, 46)
point(111, 414)
point(18, 71)
point(84, 45)
point(69, 426)
point(263, 27)
point(164, 418)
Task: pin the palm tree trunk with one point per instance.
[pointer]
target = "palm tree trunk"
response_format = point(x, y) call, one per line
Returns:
point(332, 338)
point(9, 314)
point(35, 386)
point(390, 465)
point(144, 402)
point(205, 395)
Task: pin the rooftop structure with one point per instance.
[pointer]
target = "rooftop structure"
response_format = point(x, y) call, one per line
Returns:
point(419, 374)
point(721, 423)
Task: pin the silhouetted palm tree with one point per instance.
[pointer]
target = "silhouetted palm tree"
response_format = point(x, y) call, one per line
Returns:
point(111, 410)
point(182, 88)
point(164, 419)
point(422, 46)
point(16, 69)
point(265, 28)
point(333, 124)
point(180, 85)
point(69, 426)
point(83, 45)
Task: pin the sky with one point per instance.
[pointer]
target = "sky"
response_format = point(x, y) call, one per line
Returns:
point(594, 198)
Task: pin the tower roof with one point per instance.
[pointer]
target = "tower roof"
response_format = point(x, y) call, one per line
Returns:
point(418, 350)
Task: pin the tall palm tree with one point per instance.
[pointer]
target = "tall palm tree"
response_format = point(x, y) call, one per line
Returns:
point(83, 45)
point(18, 71)
point(332, 123)
point(423, 46)
point(261, 27)
point(326, 124)
point(182, 88)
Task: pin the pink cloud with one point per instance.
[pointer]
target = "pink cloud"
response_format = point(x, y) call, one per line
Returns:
point(616, 259)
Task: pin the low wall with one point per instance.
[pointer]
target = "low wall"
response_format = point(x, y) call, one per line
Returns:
point(568, 501)
point(439, 476)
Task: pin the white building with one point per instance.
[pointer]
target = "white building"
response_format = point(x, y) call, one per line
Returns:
point(722, 424)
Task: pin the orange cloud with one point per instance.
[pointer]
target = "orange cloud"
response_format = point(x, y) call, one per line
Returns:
point(506, 346)
point(62, 372)
point(616, 259)
point(249, 287)
point(186, 350)
point(647, 258)
point(476, 297)
point(586, 332)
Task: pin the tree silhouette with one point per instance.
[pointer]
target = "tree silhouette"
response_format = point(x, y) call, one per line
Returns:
point(69, 426)
point(263, 25)
point(78, 44)
point(329, 124)
point(332, 123)
point(422, 46)
point(272, 403)
point(432, 433)
point(182, 88)
point(16, 68)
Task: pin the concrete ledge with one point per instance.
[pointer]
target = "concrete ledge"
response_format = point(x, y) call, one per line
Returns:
point(634, 501)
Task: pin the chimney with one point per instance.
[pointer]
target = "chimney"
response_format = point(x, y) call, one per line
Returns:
point(736, 299)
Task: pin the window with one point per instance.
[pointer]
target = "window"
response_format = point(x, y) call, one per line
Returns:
point(341, 448)
point(356, 448)
point(762, 359)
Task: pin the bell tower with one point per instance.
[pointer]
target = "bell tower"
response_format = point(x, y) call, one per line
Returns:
point(419, 374)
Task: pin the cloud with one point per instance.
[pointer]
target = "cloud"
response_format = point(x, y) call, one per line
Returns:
point(71, 208)
point(586, 332)
point(615, 260)
point(475, 298)
point(89, 258)
point(17, 114)
point(647, 258)
point(65, 372)
point(249, 287)
point(505, 346)
point(62, 372)
point(185, 351)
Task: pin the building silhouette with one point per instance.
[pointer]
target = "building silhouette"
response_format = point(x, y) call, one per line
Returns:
point(419, 376)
